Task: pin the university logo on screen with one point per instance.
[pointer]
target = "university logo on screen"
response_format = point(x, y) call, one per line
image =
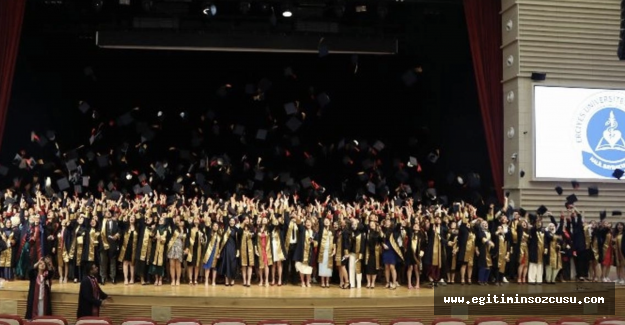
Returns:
point(600, 131)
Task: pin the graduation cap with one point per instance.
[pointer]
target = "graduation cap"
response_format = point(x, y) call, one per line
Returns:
point(323, 100)
point(83, 107)
point(259, 176)
point(146, 190)
point(4, 170)
point(147, 135)
point(51, 135)
point(618, 173)
point(559, 190)
point(125, 120)
point(522, 173)
point(136, 189)
point(522, 212)
point(17, 160)
point(238, 130)
point(378, 146)
point(85, 181)
point(371, 187)
point(541, 210)
point(290, 108)
point(575, 184)
point(103, 161)
point(71, 165)
point(412, 162)
point(293, 124)
point(63, 184)
point(177, 187)
point(77, 189)
point(115, 195)
point(602, 215)
point(571, 199)
point(261, 134)
point(474, 181)
point(306, 182)
point(616, 213)
point(593, 191)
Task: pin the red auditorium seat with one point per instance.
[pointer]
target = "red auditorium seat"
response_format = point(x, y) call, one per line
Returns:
point(406, 321)
point(184, 321)
point(363, 321)
point(572, 321)
point(88, 320)
point(138, 321)
point(490, 321)
point(274, 322)
point(318, 322)
point(226, 321)
point(531, 321)
point(448, 321)
point(50, 319)
point(609, 321)
point(11, 319)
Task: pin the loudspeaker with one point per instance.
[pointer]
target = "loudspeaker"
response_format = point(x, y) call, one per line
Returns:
point(621, 44)
point(539, 76)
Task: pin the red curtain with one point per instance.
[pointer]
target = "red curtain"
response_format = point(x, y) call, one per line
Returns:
point(11, 17)
point(484, 26)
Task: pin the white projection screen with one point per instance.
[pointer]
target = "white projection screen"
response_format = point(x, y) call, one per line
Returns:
point(578, 133)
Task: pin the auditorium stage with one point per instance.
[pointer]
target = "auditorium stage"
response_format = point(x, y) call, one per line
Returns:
point(256, 303)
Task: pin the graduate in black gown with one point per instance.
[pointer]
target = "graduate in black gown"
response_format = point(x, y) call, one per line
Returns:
point(39, 300)
point(91, 297)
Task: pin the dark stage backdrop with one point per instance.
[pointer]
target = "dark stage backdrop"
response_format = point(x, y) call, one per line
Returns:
point(441, 110)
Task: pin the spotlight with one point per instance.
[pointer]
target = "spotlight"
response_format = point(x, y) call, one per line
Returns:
point(97, 5)
point(208, 9)
point(287, 12)
point(245, 7)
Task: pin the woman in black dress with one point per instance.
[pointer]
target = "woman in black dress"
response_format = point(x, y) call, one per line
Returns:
point(414, 252)
point(372, 253)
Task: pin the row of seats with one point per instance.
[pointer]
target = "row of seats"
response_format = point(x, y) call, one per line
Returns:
point(57, 320)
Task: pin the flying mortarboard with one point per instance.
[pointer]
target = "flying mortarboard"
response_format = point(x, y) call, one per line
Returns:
point(571, 199)
point(522, 173)
point(323, 100)
point(593, 191)
point(290, 108)
point(378, 146)
point(602, 215)
point(85, 181)
point(616, 213)
point(63, 184)
point(559, 190)
point(261, 134)
point(541, 210)
point(4, 170)
point(575, 184)
point(83, 107)
point(293, 124)
point(618, 173)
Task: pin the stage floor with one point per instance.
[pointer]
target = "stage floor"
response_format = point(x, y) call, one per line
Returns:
point(288, 302)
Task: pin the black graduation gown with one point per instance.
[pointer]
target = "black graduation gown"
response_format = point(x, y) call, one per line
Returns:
point(89, 302)
point(33, 294)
